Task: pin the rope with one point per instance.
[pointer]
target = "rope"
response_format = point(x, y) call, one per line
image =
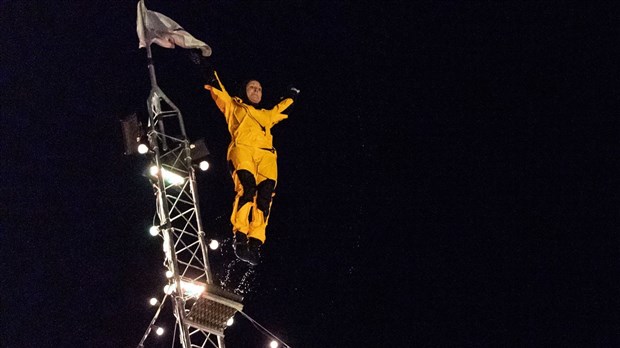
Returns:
point(264, 331)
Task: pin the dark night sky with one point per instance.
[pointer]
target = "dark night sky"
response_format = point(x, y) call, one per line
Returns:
point(443, 176)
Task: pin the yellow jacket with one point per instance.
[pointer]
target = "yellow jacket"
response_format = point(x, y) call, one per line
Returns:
point(246, 124)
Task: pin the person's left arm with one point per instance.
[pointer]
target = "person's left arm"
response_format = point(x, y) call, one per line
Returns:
point(283, 108)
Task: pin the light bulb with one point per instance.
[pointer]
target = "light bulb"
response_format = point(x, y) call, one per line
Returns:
point(154, 230)
point(142, 149)
point(214, 244)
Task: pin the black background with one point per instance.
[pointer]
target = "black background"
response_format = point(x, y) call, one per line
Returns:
point(443, 177)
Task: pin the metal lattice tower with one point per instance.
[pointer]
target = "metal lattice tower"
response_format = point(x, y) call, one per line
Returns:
point(201, 309)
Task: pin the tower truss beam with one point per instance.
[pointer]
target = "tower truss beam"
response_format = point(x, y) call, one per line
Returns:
point(201, 309)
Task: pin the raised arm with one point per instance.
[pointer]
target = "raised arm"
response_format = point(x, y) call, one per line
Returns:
point(284, 106)
point(219, 94)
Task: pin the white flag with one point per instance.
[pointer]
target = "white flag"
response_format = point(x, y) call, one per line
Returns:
point(155, 27)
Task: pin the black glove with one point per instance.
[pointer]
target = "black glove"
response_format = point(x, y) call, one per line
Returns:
point(292, 92)
point(207, 71)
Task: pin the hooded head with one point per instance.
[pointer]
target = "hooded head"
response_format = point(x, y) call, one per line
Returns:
point(251, 92)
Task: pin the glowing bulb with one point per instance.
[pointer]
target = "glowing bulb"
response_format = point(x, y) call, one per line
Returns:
point(273, 344)
point(169, 274)
point(214, 244)
point(154, 230)
point(153, 301)
point(153, 170)
point(203, 165)
point(159, 331)
point(168, 289)
point(230, 321)
point(142, 149)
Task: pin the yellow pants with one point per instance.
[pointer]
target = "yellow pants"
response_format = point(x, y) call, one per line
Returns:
point(255, 175)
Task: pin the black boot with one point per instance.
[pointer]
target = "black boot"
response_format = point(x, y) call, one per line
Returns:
point(241, 246)
point(253, 255)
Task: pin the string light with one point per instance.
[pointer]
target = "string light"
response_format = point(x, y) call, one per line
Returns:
point(214, 244)
point(142, 149)
point(154, 230)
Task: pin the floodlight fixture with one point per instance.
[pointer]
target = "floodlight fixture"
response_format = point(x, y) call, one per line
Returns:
point(133, 134)
point(169, 177)
point(198, 150)
point(192, 289)
point(198, 153)
point(172, 178)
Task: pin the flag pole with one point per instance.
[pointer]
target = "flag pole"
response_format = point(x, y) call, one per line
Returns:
point(149, 58)
point(149, 55)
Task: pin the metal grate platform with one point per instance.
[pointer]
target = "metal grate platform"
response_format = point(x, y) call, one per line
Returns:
point(213, 309)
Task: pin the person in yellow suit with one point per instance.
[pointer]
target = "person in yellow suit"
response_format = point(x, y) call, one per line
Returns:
point(253, 160)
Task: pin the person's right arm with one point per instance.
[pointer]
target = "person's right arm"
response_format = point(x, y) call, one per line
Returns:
point(219, 94)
